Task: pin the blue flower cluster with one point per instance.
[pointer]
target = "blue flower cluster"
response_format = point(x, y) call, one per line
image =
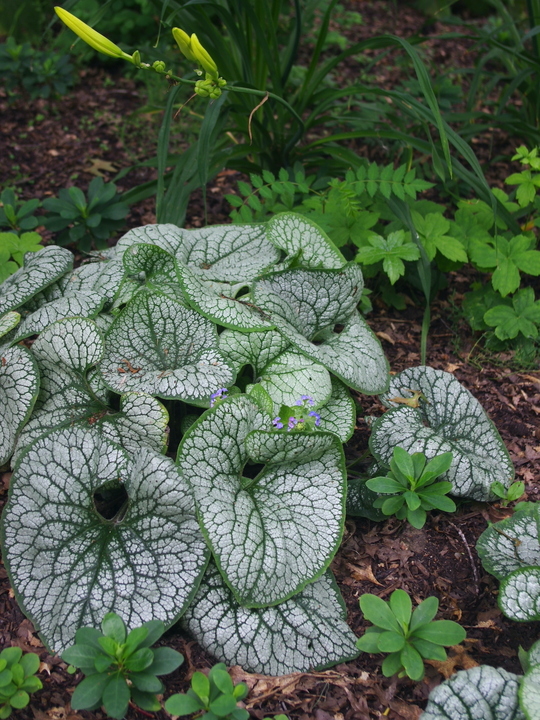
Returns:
point(300, 423)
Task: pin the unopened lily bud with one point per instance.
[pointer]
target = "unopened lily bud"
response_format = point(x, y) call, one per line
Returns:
point(136, 58)
point(203, 57)
point(201, 88)
point(159, 66)
point(90, 36)
point(184, 43)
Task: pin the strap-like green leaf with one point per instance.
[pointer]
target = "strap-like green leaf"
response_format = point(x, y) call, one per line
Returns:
point(19, 387)
point(304, 633)
point(482, 693)
point(303, 239)
point(40, 269)
point(159, 347)
point(448, 418)
point(69, 565)
point(273, 535)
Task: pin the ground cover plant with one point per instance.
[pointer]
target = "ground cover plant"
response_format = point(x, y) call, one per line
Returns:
point(304, 418)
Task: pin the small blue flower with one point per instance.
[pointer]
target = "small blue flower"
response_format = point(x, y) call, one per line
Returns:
point(220, 394)
point(308, 399)
point(292, 423)
point(316, 416)
point(277, 423)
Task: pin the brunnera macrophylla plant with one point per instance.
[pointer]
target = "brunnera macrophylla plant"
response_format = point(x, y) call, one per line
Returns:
point(244, 341)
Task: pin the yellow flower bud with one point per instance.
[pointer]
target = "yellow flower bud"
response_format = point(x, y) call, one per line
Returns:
point(184, 43)
point(203, 57)
point(90, 36)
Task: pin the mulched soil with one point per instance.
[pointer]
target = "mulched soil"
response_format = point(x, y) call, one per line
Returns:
point(51, 145)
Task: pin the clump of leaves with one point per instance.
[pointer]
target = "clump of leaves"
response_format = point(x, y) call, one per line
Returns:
point(17, 215)
point(412, 484)
point(13, 249)
point(213, 696)
point(508, 495)
point(17, 679)
point(409, 637)
point(86, 222)
point(120, 667)
point(523, 316)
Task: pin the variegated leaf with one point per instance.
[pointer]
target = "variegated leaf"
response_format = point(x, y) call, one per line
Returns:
point(444, 417)
point(69, 564)
point(217, 302)
point(315, 311)
point(307, 632)
point(534, 654)
point(529, 693)
point(228, 253)
point(481, 693)
point(512, 543)
point(65, 351)
point(164, 235)
point(79, 304)
point(8, 322)
point(257, 349)
point(158, 346)
point(102, 278)
point(338, 415)
point(152, 267)
point(292, 375)
point(273, 535)
point(40, 269)
point(302, 239)
point(19, 387)
point(519, 594)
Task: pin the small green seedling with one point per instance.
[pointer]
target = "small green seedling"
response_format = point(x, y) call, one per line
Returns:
point(120, 667)
point(411, 482)
point(409, 637)
point(212, 696)
point(17, 679)
point(513, 493)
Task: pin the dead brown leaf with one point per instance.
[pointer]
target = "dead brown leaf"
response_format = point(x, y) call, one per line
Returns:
point(405, 710)
point(362, 572)
point(458, 658)
point(98, 165)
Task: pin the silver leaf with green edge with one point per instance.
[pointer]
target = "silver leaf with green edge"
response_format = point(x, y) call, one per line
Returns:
point(481, 693)
point(217, 302)
point(164, 235)
point(287, 447)
point(291, 375)
point(228, 253)
point(8, 322)
point(529, 693)
point(338, 415)
point(512, 543)
point(257, 349)
point(76, 304)
point(40, 269)
point(533, 657)
point(272, 535)
point(152, 267)
point(431, 412)
point(303, 239)
point(308, 306)
point(159, 347)
point(307, 632)
point(65, 352)
point(69, 565)
point(519, 594)
point(102, 277)
point(19, 389)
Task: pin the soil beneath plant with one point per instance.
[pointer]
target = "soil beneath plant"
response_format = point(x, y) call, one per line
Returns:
point(100, 129)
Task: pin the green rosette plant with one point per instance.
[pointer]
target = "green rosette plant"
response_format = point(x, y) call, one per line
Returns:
point(211, 696)
point(120, 667)
point(17, 679)
point(408, 636)
point(412, 485)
